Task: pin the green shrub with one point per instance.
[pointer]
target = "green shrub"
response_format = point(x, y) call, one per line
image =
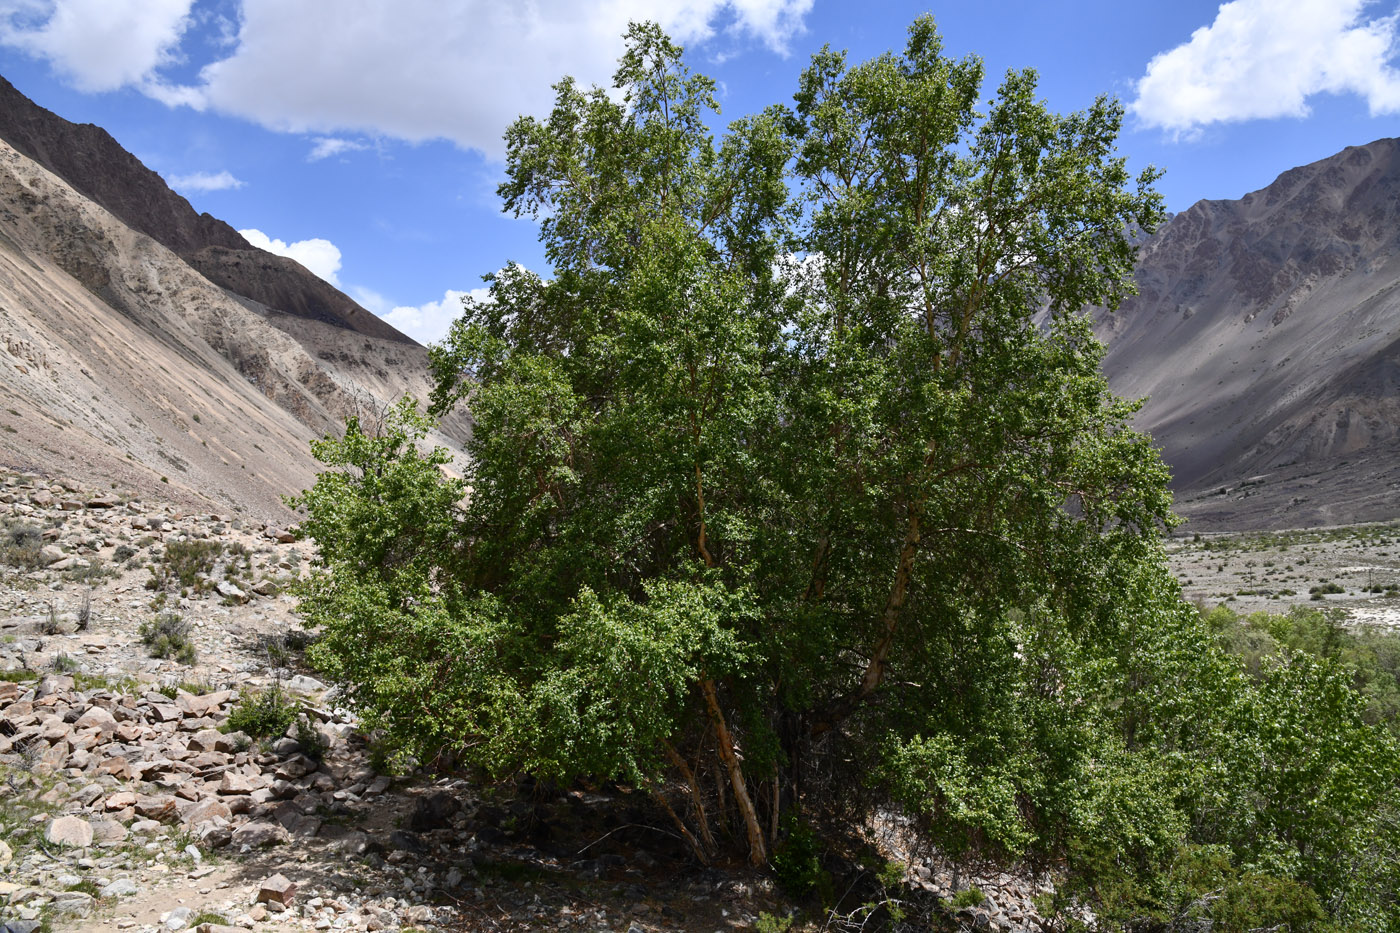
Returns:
point(20, 542)
point(168, 636)
point(186, 564)
point(797, 862)
point(261, 715)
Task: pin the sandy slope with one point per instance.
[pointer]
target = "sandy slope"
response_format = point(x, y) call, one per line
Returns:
point(1267, 340)
point(122, 362)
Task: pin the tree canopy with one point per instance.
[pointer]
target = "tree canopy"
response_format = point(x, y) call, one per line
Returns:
point(795, 488)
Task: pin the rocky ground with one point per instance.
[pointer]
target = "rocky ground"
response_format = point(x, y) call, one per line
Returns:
point(1354, 569)
point(130, 801)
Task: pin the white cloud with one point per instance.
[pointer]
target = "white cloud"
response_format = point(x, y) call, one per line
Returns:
point(407, 69)
point(98, 45)
point(320, 256)
point(204, 181)
point(429, 322)
point(1264, 58)
point(371, 300)
point(419, 69)
point(328, 146)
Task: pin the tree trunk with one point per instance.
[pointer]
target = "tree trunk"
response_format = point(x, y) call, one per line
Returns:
point(889, 627)
point(758, 851)
point(701, 855)
point(696, 800)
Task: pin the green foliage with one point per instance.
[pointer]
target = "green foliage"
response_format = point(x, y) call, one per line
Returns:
point(168, 636)
point(801, 455)
point(1370, 654)
point(968, 897)
point(20, 542)
point(312, 743)
point(769, 923)
point(186, 564)
point(797, 862)
point(268, 713)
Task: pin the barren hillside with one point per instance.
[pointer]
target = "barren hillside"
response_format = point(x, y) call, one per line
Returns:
point(124, 363)
point(1267, 340)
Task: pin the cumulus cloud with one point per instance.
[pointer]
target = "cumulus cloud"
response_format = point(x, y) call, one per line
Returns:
point(1265, 58)
point(320, 256)
point(204, 181)
point(97, 45)
point(419, 69)
point(327, 146)
point(429, 322)
point(407, 69)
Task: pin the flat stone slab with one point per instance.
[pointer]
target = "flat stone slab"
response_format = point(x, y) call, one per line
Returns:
point(70, 831)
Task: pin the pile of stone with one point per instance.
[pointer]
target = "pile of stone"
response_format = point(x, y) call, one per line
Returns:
point(119, 768)
point(81, 526)
point(162, 758)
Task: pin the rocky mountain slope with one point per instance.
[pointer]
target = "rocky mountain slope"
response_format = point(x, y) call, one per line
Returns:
point(96, 166)
point(124, 361)
point(1267, 339)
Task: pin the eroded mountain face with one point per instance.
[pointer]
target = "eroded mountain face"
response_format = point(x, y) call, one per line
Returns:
point(97, 167)
point(125, 360)
point(1267, 339)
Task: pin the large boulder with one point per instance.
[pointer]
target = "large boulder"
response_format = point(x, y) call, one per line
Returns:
point(70, 831)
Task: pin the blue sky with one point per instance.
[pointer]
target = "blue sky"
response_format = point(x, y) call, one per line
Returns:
point(362, 137)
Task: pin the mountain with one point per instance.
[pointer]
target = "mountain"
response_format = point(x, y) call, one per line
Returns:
point(151, 347)
point(1266, 338)
point(95, 164)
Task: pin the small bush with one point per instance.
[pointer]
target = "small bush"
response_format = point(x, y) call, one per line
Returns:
point(64, 663)
point(264, 714)
point(186, 565)
point(49, 624)
point(123, 553)
point(168, 636)
point(89, 572)
point(123, 684)
point(770, 923)
point(20, 542)
point(797, 862)
point(968, 897)
point(313, 745)
point(18, 677)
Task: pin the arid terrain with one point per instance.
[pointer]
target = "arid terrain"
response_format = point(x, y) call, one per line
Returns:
point(1265, 340)
point(1354, 569)
point(161, 381)
point(122, 357)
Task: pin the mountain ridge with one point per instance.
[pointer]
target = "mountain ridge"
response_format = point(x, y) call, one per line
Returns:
point(95, 164)
point(1265, 337)
point(122, 360)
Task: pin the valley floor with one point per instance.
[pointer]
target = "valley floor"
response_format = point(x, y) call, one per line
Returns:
point(1354, 569)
